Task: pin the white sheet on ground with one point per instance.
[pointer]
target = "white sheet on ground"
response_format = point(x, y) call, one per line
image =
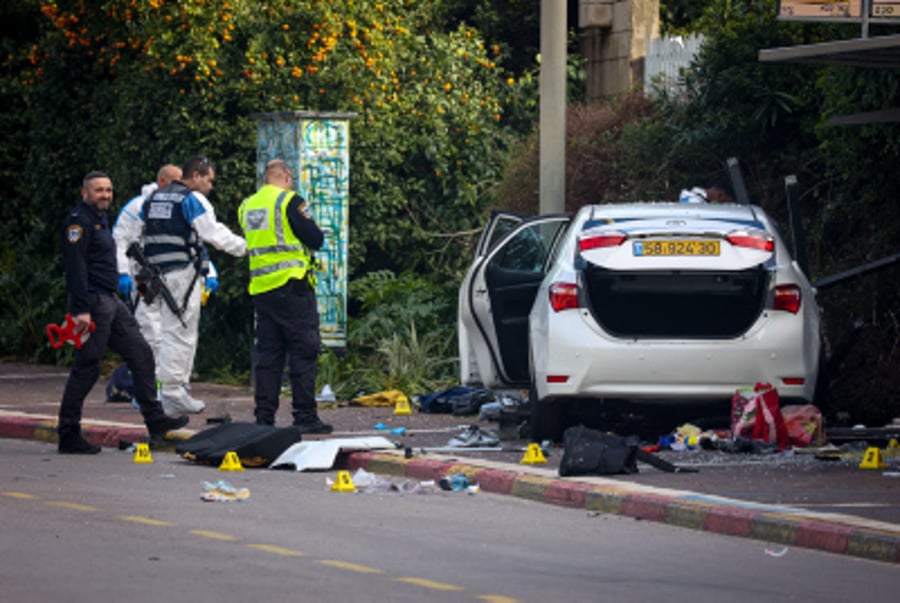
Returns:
point(321, 454)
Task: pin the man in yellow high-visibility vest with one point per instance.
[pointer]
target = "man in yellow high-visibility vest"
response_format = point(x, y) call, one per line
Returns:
point(281, 238)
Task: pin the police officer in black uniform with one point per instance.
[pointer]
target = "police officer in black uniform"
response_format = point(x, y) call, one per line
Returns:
point(89, 257)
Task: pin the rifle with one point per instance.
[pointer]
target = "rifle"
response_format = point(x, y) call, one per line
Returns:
point(150, 282)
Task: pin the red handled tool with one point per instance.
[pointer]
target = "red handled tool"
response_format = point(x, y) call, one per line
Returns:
point(60, 335)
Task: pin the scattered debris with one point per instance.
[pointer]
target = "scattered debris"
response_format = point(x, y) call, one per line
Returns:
point(781, 553)
point(321, 454)
point(384, 398)
point(222, 491)
point(458, 482)
point(366, 482)
point(326, 395)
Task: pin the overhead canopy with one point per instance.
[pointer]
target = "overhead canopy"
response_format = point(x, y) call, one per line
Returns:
point(881, 51)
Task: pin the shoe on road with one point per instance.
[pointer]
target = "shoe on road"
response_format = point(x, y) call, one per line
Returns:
point(74, 443)
point(180, 404)
point(314, 426)
point(160, 427)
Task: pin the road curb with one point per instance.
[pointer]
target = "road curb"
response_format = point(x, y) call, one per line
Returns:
point(109, 436)
point(781, 526)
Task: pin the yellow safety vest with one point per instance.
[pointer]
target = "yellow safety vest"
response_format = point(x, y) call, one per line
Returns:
point(276, 254)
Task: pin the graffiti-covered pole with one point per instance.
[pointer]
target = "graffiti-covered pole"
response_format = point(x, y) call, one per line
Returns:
point(316, 145)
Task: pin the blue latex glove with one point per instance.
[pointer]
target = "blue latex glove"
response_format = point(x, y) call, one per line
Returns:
point(212, 284)
point(126, 285)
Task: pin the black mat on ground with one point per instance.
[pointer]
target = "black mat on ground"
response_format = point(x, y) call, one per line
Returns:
point(255, 445)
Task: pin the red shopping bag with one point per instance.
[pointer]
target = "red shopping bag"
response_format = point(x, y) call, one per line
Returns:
point(756, 414)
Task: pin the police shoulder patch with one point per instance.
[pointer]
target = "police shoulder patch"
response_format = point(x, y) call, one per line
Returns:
point(74, 232)
point(303, 208)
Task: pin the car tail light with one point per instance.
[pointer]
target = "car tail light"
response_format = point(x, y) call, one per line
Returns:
point(794, 380)
point(787, 298)
point(563, 296)
point(754, 239)
point(595, 240)
point(557, 378)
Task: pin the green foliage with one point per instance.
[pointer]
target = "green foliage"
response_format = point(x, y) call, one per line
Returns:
point(127, 85)
point(30, 301)
point(404, 339)
point(390, 304)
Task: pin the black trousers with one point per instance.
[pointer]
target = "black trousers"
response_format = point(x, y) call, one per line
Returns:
point(114, 326)
point(287, 326)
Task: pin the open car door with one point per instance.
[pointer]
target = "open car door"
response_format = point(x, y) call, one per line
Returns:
point(495, 300)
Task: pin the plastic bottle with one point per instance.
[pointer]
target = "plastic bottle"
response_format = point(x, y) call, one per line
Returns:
point(456, 482)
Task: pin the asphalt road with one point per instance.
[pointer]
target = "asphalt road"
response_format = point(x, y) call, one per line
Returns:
point(89, 528)
point(789, 498)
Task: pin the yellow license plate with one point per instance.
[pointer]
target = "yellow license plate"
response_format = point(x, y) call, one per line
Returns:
point(675, 247)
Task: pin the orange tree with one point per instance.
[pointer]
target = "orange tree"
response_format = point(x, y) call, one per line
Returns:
point(125, 85)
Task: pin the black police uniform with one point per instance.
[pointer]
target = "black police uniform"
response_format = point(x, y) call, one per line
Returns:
point(287, 324)
point(89, 258)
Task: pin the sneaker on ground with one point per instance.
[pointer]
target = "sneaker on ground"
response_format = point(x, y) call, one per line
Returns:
point(314, 426)
point(472, 436)
point(181, 404)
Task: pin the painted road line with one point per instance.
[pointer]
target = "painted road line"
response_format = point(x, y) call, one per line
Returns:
point(430, 583)
point(21, 495)
point(147, 521)
point(277, 550)
point(71, 505)
point(214, 535)
point(353, 567)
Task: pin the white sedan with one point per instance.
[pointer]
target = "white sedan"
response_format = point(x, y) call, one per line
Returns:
point(661, 302)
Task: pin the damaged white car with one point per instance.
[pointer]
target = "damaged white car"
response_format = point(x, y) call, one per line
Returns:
point(661, 302)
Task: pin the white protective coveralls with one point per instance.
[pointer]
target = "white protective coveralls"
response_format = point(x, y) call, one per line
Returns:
point(129, 227)
point(176, 343)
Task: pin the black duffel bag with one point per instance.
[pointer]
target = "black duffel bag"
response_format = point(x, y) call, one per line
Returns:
point(592, 452)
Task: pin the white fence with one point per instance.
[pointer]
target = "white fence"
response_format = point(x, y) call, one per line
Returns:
point(667, 60)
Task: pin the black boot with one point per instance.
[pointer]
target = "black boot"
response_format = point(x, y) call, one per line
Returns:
point(159, 427)
point(314, 425)
point(72, 442)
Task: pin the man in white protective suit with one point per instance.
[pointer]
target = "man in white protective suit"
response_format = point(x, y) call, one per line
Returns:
point(129, 228)
point(174, 222)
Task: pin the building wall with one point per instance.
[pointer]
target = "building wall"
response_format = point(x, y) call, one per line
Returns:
point(613, 37)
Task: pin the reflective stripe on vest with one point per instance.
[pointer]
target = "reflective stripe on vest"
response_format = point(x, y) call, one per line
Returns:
point(169, 241)
point(276, 254)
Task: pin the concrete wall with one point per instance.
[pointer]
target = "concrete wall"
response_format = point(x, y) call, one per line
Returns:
point(613, 36)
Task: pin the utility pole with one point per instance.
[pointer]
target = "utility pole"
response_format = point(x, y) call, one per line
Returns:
point(552, 168)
